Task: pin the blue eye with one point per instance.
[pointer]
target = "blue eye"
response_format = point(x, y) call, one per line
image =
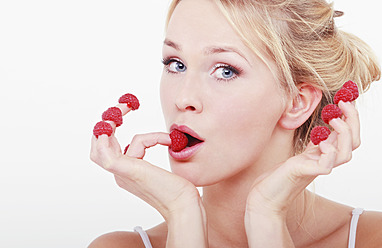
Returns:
point(178, 66)
point(225, 72)
point(174, 66)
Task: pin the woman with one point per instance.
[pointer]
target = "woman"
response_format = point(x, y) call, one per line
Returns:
point(246, 81)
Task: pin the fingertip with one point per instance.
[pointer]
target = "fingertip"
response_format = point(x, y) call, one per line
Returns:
point(124, 108)
point(335, 122)
point(113, 125)
point(346, 107)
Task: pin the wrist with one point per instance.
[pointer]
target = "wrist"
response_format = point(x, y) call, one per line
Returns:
point(187, 227)
point(267, 230)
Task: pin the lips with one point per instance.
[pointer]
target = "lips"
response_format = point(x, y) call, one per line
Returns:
point(193, 145)
point(192, 140)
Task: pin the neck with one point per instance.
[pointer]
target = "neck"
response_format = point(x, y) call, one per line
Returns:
point(225, 202)
point(225, 208)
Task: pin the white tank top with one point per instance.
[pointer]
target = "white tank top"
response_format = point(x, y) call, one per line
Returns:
point(352, 233)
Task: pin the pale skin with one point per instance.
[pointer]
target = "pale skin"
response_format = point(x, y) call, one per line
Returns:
point(254, 189)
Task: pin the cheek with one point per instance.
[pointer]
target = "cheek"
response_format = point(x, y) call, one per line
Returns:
point(165, 98)
point(248, 125)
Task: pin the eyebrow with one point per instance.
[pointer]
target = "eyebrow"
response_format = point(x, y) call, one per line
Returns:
point(208, 50)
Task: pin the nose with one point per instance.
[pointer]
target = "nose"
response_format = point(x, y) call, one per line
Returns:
point(189, 95)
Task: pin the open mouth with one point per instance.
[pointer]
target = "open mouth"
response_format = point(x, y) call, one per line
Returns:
point(184, 141)
point(192, 140)
point(184, 149)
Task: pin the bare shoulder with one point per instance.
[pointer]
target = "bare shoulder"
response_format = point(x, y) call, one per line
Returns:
point(369, 230)
point(157, 236)
point(118, 240)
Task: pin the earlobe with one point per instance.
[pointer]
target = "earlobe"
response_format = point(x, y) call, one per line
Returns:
point(300, 107)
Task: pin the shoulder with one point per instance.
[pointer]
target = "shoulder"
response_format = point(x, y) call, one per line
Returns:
point(369, 230)
point(157, 236)
point(118, 240)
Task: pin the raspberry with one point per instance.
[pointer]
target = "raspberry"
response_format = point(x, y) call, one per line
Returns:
point(113, 114)
point(127, 147)
point(178, 141)
point(102, 127)
point(344, 95)
point(131, 101)
point(330, 112)
point(319, 134)
point(350, 85)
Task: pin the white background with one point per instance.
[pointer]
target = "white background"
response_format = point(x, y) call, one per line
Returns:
point(62, 63)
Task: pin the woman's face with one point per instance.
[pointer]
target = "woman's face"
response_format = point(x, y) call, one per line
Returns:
point(214, 87)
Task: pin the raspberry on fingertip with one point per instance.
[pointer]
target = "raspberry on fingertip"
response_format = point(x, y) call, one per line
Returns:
point(350, 85)
point(113, 114)
point(318, 134)
point(178, 140)
point(102, 127)
point(344, 95)
point(329, 112)
point(131, 101)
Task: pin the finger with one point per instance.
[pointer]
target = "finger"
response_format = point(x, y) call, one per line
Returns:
point(124, 108)
point(101, 151)
point(333, 139)
point(344, 140)
point(141, 142)
point(328, 158)
point(114, 115)
point(351, 115)
point(93, 153)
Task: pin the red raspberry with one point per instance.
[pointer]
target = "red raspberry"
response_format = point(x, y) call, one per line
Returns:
point(330, 112)
point(344, 95)
point(113, 114)
point(319, 134)
point(126, 148)
point(131, 101)
point(178, 141)
point(350, 85)
point(102, 127)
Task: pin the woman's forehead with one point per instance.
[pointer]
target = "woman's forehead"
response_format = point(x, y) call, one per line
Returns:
point(201, 26)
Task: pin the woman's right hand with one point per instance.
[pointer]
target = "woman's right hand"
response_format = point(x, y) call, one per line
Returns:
point(163, 190)
point(174, 197)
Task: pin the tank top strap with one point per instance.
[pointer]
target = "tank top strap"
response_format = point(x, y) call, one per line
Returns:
point(144, 236)
point(353, 226)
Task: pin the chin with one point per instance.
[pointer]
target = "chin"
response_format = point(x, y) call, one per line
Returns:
point(192, 173)
point(196, 174)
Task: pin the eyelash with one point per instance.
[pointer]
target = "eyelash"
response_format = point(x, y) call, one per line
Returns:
point(166, 61)
point(236, 70)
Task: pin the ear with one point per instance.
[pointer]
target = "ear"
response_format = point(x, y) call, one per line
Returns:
point(299, 108)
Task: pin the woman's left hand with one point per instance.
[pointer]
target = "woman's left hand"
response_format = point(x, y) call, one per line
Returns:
point(274, 192)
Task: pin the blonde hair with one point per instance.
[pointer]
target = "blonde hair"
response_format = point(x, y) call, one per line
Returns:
point(301, 38)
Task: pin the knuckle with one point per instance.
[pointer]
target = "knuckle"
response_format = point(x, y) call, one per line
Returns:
point(137, 138)
point(349, 157)
point(119, 181)
point(327, 171)
point(93, 156)
point(356, 144)
point(345, 158)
